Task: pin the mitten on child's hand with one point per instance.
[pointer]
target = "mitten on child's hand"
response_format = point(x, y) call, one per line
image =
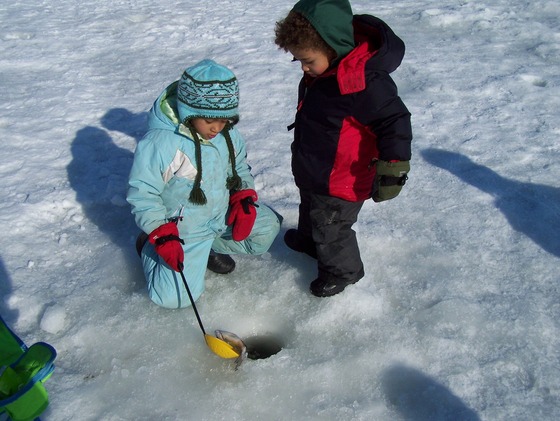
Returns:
point(168, 245)
point(242, 213)
point(390, 177)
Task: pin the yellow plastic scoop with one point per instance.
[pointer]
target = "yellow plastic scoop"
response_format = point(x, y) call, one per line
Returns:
point(218, 346)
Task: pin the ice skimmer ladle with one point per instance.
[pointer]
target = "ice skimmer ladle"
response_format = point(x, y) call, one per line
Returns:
point(218, 346)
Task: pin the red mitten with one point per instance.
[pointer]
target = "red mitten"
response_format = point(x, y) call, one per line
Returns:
point(168, 245)
point(242, 213)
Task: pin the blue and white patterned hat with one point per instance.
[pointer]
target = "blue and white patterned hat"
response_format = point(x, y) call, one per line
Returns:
point(208, 90)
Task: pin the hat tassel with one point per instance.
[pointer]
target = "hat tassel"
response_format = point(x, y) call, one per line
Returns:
point(197, 195)
point(233, 182)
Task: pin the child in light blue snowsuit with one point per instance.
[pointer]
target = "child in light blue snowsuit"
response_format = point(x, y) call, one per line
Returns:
point(190, 187)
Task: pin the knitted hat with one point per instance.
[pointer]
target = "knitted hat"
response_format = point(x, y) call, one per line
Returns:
point(208, 90)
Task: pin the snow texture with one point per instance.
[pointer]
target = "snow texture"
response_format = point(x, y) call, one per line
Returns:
point(458, 316)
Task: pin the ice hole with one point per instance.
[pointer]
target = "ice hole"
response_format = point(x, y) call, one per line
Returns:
point(263, 346)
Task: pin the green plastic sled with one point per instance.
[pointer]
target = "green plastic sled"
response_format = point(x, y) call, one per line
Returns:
point(22, 373)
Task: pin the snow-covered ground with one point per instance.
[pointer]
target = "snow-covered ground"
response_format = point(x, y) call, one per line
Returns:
point(458, 317)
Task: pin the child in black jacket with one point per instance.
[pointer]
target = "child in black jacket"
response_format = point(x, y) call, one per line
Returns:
point(352, 131)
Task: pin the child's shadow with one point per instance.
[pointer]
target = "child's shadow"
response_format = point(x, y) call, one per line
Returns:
point(9, 315)
point(532, 209)
point(99, 174)
point(418, 397)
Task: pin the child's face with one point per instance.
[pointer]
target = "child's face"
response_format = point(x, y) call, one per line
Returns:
point(208, 128)
point(313, 62)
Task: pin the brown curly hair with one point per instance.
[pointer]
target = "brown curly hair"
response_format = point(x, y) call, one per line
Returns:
point(297, 32)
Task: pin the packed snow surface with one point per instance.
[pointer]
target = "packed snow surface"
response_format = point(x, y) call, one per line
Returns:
point(458, 316)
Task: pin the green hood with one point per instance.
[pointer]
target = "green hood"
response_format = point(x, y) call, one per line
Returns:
point(332, 19)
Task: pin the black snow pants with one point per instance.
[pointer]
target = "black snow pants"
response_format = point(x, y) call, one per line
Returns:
point(328, 221)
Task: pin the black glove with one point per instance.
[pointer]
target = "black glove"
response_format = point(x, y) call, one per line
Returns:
point(389, 179)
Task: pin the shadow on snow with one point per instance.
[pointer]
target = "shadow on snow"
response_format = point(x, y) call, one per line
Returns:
point(531, 209)
point(99, 174)
point(418, 397)
point(9, 315)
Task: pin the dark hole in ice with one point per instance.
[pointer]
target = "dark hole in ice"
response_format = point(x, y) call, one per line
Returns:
point(260, 347)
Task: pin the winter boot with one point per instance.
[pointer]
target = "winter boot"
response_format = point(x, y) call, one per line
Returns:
point(330, 285)
point(322, 288)
point(298, 242)
point(220, 263)
point(140, 241)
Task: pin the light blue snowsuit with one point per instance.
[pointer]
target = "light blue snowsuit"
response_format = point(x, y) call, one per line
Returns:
point(160, 182)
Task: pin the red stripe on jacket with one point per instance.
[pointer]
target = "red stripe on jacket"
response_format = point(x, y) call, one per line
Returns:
point(352, 174)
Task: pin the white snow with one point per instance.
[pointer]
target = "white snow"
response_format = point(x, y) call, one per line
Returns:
point(458, 316)
point(53, 319)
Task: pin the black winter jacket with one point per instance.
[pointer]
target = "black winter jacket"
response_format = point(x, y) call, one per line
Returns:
point(351, 116)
